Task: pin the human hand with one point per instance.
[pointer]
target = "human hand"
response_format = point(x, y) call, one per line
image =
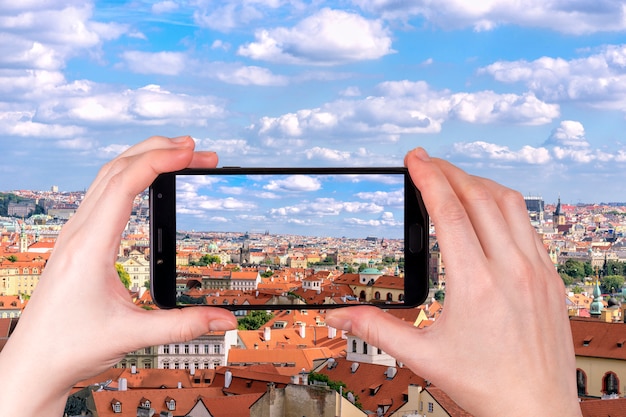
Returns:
point(80, 319)
point(502, 345)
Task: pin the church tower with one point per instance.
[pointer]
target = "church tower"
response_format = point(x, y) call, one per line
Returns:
point(558, 216)
point(23, 242)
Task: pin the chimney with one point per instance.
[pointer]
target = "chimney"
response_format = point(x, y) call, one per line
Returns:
point(302, 330)
point(122, 384)
point(228, 378)
point(179, 385)
point(133, 369)
point(267, 334)
point(332, 332)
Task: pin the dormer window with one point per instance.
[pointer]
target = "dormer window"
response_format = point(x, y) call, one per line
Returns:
point(170, 403)
point(587, 340)
point(620, 343)
point(116, 406)
point(144, 403)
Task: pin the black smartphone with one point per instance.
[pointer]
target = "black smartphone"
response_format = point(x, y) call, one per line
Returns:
point(288, 238)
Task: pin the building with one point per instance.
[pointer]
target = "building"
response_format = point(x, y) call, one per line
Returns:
point(138, 269)
point(600, 348)
point(303, 400)
point(205, 352)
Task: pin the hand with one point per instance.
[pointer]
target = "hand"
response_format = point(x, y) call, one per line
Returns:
point(502, 345)
point(80, 319)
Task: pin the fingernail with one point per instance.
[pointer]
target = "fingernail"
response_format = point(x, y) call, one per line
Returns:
point(220, 325)
point(179, 139)
point(421, 154)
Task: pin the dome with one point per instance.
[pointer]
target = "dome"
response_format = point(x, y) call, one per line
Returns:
point(370, 271)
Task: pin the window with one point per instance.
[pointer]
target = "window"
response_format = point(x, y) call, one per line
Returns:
point(377, 295)
point(217, 349)
point(176, 349)
point(171, 404)
point(431, 408)
point(166, 349)
point(581, 382)
point(206, 349)
point(365, 348)
point(354, 346)
point(117, 407)
point(186, 349)
point(610, 384)
point(389, 296)
point(196, 349)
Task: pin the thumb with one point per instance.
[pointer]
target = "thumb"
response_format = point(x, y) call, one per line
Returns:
point(181, 325)
point(398, 338)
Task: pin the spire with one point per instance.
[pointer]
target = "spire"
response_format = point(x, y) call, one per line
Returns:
point(596, 305)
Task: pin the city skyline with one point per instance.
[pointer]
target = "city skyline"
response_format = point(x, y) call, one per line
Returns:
point(530, 96)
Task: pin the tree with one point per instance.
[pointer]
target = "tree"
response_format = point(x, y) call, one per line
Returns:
point(567, 280)
point(124, 277)
point(268, 273)
point(612, 283)
point(254, 320)
point(440, 295)
point(206, 260)
point(12, 258)
point(573, 268)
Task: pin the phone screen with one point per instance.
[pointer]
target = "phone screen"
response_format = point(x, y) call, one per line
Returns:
point(297, 238)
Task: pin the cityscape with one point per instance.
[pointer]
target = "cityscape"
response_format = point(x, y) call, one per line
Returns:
point(290, 353)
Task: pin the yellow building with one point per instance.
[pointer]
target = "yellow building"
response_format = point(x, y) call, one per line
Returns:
point(600, 348)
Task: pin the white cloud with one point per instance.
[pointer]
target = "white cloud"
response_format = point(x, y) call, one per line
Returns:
point(165, 63)
point(492, 151)
point(42, 35)
point(149, 105)
point(329, 37)
point(598, 79)
point(166, 6)
point(567, 16)
point(294, 183)
point(327, 154)
point(402, 108)
point(566, 143)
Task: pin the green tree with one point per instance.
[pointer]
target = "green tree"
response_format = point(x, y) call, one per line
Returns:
point(12, 258)
point(577, 289)
point(440, 295)
point(612, 283)
point(573, 268)
point(588, 269)
point(206, 260)
point(567, 280)
point(268, 273)
point(254, 320)
point(124, 277)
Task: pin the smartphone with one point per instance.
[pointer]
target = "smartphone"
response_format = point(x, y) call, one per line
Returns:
point(288, 238)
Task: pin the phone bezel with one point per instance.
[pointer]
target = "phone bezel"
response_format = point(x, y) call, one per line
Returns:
point(162, 197)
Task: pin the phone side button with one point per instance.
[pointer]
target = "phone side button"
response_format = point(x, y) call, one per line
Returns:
point(160, 240)
point(415, 238)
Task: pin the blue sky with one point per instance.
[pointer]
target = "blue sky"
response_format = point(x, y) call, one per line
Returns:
point(354, 206)
point(532, 95)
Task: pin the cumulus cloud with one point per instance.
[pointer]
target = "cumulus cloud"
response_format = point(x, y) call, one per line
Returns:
point(179, 63)
point(294, 183)
point(567, 16)
point(325, 207)
point(41, 35)
point(149, 105)
point(403, 108)
point(566, 143)
point(598, 79)
point(329, 37)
